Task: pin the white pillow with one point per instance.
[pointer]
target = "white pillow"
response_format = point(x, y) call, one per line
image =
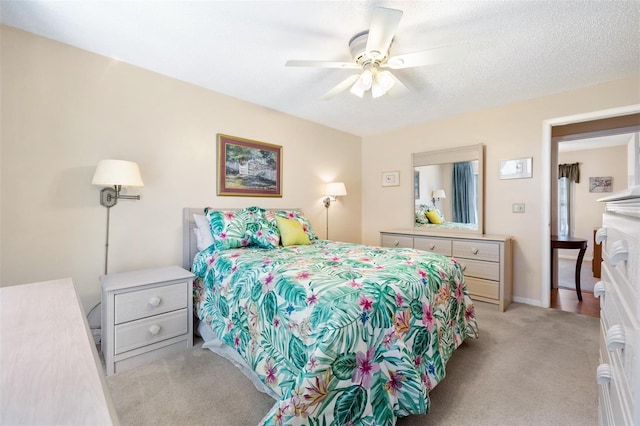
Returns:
point(203, 236)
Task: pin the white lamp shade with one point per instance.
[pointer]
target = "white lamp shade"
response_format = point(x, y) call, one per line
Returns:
point(438, 193)
point(117, 172)
point(336, 189)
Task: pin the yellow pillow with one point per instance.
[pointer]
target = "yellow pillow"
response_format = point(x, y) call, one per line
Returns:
point(434, 217)
point(291, 232)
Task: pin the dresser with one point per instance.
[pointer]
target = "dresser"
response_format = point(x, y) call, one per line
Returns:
point(146, 315)
point(50, 370)
point(486, 259)
point(618, 375)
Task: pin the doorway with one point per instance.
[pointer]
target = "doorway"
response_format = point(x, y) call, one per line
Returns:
point(599, 123)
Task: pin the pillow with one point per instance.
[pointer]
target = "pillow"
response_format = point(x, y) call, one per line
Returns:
point(260, 231)
point(300, 217)
point(434, 217)
point(421, 214)
point(228, 228)
point(203, 232)
point(291, 232)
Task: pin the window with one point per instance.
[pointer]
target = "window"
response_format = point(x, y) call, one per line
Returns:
point(564, 207)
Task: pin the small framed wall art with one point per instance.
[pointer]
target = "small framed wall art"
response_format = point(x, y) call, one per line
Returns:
point(600, 184)
point(518, 168)
point(391, 178)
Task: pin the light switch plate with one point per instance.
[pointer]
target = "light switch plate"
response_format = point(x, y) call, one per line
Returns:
point(518, 207)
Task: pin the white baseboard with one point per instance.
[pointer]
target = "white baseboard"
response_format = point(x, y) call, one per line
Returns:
point(527, 301)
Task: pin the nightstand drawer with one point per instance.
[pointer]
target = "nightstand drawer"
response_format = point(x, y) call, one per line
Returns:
point(153, 301)
point(146, 331)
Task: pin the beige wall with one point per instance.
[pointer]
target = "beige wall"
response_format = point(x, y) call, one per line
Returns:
point(64, 109)
point(587, 211)
point(512, 131)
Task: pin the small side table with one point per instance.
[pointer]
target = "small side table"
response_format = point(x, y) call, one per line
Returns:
point(146, 315)
point(558, 242)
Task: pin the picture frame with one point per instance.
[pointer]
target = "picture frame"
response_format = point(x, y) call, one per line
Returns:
point(391, 178)
point(600, 184)
point(519, 168)
point(248, 168)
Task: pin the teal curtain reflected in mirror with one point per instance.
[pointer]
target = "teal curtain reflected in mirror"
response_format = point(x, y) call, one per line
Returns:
point(464, 193)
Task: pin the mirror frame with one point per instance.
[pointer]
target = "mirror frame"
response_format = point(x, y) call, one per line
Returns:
point(453, 155)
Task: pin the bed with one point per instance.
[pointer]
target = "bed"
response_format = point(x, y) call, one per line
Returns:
point(336, 333)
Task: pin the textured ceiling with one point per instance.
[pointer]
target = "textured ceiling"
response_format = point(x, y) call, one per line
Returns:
point(515, 50)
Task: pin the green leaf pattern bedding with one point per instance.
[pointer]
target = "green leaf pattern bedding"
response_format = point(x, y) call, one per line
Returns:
point(344, 333)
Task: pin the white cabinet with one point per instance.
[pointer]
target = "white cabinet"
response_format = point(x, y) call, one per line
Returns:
point(618, 374)
point(146, 314)
point(486, 260)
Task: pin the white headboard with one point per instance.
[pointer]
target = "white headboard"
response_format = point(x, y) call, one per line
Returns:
point(189, 246)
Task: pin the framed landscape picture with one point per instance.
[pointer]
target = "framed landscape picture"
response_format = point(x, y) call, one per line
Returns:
point(249, 168)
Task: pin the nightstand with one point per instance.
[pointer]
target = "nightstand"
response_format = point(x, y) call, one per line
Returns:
point(146, 315)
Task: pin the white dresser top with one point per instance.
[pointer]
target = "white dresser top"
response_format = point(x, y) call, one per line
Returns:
point(49, 367)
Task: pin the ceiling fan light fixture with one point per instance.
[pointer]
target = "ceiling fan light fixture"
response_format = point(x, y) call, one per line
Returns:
point(357, 90)
point(382, 83)
point(366, 80)
point(385, 79)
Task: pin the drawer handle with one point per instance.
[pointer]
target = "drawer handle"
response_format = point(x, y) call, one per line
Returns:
point(603, 373)
point(396, 243)
point(618, 252)
point(474, 250)
point(615, 337)
point(599, 289)
point(155, 301)
point(601, 235)
point(154, 329)
point(432, 246)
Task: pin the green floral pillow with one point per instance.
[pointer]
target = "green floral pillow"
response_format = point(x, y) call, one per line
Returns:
point(260, 231)
point(228, 228)
point(300, 217)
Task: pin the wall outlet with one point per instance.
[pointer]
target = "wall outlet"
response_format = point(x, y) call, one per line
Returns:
point(518, 207)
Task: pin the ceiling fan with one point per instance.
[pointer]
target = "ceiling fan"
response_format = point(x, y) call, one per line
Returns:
point(370, 52)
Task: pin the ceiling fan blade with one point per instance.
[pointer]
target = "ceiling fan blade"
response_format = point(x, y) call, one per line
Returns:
point(424, 57)
point(384, 23)
point(398, 89)
point(343, 85)
point(322, 64)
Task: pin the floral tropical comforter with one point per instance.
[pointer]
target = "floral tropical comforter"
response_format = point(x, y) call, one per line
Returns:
point(344, 333)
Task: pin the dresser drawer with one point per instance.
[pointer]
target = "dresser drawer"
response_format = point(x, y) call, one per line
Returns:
point(611, 278)
point(153, 301)
point(480, 269)
point(622, 360)
point(435, 245)
point(482, 288)
point(476, 250)
point(398, 241)
point(135, 334)
point(623, 232)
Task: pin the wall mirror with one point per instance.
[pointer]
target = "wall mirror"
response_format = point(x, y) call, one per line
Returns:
point(448, 190)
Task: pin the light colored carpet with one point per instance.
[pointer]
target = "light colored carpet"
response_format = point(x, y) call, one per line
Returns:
point(530, 366)
point(567, 275)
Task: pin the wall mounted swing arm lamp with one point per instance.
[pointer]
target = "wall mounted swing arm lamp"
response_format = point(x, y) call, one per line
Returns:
point(114, 174)
point(333, 190)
